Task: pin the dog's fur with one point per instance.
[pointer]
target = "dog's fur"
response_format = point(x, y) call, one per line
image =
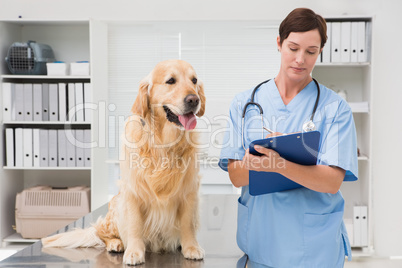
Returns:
point(157, 207)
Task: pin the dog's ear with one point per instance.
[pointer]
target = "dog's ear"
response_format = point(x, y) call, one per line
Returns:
point(141, 103)
point(201, 95)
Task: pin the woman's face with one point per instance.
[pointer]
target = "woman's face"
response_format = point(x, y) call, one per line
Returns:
point(299, 54)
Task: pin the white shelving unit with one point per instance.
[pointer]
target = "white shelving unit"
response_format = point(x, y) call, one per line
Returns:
point(356, 79)
point(70, 42)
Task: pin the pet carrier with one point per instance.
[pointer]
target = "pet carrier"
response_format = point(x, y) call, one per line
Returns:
point(29, 58)
point(42, 210)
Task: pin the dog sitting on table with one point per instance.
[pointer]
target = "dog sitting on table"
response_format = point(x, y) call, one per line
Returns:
point(157, 206)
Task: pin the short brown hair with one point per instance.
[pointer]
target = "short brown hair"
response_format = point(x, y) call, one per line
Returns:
point(303, 20)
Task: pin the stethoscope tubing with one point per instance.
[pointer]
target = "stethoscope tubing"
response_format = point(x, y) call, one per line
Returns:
point(252, 102)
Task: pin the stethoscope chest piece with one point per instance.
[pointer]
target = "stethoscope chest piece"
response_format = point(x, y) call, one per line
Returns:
point(308, 126)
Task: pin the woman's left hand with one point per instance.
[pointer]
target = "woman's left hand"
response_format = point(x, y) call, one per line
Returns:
point(270, 161)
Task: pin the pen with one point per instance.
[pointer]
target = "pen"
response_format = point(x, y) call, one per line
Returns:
point(267, 129)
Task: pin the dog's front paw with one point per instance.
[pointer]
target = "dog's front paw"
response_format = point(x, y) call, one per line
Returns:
point(193, 253)
point(134, 256)
point(115, 245)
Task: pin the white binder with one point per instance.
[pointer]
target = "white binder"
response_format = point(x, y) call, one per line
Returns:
point(36, 147)
point(353, 41)
point(345, 41)
point(53, 103)
point(45, 102)
point(361, 42)
point(44, 147)
point(364, 226)
point(87, 149)
point(19, 102)
point(8, 102)
point(79, 102)
point(19, 148)
point(62, 147)
point(326, 52)
point(63, 102)
point(37, 102)
point(71, 102)
point(70, 134)
point(336, 42)
point(28, 102)
point(10, 147)
point(79, 148)
point(27, 147)
point(87, 102)
point(52, 147)
point(357, 231)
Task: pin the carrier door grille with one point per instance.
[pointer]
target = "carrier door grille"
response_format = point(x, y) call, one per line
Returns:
point(21, 58)
point(54, 199)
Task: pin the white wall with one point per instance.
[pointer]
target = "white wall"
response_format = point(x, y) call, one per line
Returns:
point(387, 58)
point(387, 144)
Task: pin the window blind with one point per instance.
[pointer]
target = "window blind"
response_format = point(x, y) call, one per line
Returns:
point(228, 56)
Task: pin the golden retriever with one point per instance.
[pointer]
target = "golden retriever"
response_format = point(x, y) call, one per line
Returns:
point(157, 206)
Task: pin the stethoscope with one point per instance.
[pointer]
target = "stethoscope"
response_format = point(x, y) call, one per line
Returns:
point(307, 126)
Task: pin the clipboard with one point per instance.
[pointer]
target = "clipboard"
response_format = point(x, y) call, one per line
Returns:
point(300, 148)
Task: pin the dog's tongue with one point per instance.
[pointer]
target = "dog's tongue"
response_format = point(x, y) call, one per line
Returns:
point(188, 121)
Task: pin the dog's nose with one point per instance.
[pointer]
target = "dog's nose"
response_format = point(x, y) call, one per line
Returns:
point(191, 101)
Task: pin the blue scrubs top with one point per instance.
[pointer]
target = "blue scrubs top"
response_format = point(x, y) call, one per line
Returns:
point(301, 227)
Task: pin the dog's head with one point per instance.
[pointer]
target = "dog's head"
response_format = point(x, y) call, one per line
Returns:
point(173, 91)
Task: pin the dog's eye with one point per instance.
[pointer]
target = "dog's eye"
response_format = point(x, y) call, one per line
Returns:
point(171, 81)
point(194, 80)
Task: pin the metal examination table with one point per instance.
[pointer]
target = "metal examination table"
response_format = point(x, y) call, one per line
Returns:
point(217, 236)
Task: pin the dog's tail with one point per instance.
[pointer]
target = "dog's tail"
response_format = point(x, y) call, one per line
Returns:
point(78, 238)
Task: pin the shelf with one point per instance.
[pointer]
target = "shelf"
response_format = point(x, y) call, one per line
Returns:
point(44, 123)
point(112, 161)
point(47, 21)
point(362, 252)
point(47, 168)
point(45, 77)
point(362, 158)
point(17, 238)
point(359, 107)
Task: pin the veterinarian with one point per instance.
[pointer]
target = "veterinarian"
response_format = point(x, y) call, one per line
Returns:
point(301, 227)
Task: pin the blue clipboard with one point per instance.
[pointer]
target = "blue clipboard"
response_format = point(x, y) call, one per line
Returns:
point(300, 148)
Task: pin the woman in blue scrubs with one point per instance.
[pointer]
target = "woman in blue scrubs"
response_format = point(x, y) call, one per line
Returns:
point(301, 227)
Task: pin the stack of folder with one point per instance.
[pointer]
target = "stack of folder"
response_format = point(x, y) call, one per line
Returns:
point(35, 147)
point(59, 102)
point(360, 226)
point(346, 42)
